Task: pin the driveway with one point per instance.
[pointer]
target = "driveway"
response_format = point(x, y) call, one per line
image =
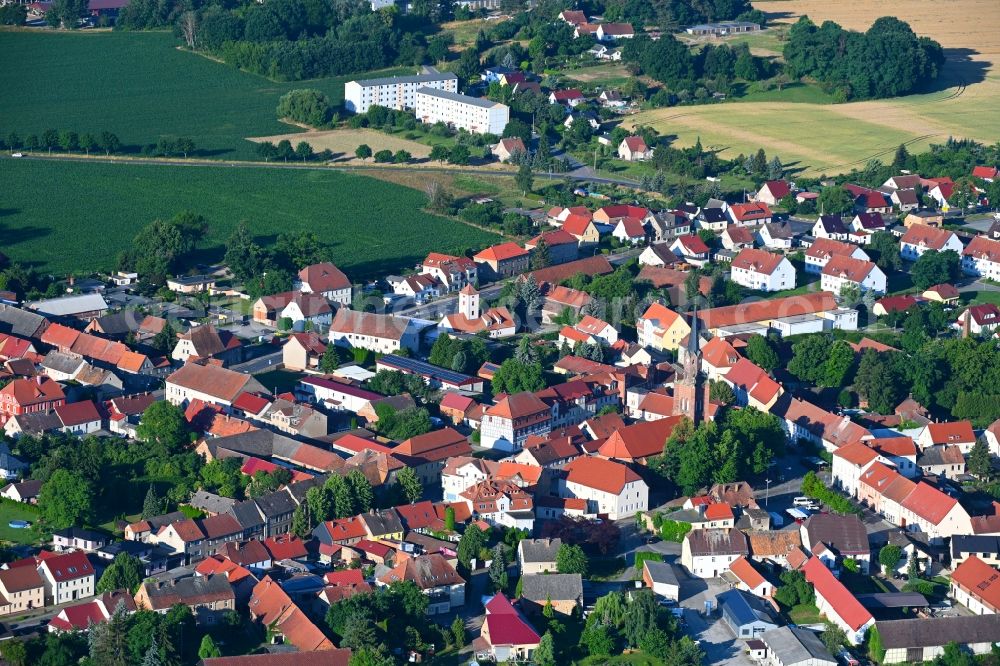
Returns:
point(715, 638)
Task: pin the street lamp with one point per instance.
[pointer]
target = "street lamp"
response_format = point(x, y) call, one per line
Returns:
point(767, 490)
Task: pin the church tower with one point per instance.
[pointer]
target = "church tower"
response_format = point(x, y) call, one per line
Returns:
point(468, 302)
point(689, 393)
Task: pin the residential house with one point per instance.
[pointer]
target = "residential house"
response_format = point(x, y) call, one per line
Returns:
point(535, 556)
point(610, 99)
point(940, 190)
point(612, 32)
point(563, 591)
point(708, 553)
point(561, 246)
point(837, 603)
point(776, 235)
point(842, 272)
point(841, 537)
point(581, 227)
point(750, 214)
point(746, 615)
point(979, 319)
point(303, 351)
point(717, 358)
point(506, 635)
point(427, 454)
point(954, 433)
point(205, 342)
point(191, 284)
point(66, 576)
point(637, 442)
point(753, 386)
point(929, 218)
point(745, 576)
point(864, 224)
point(25, 491)
point(658, 255)
point(824, 249)
point(630, 231)
point(21, 589)
point(571, 97)
point(326, 280)
point(849, 463)
point(384, 334)
point(986, 547)
point(26, 396)
point(920, 238)
point(976, 585)
point(981, 257)
point(502, 261)
point(690, 249)
point(453, 272)
point(867, 200)
point(762, 271)
point(661, 328)
point(211, 384)
point(435, 577)
point(507, 424)
point(927, 509)
point(634, 149)
point(831, 227)
point(773, 191)
point(77, 538)
point(610, 488)
point(946, 462)
point(285, 622)
point(736, 238)
point(509, 148)
point(296, 306)
point(500, 503)
point(418, 288)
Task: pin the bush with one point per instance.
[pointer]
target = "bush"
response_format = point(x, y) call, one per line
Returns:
point(672, 530)
point(383, 156)
point(307, 106)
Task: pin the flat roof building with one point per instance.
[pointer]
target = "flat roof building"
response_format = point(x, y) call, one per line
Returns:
point(395, 92)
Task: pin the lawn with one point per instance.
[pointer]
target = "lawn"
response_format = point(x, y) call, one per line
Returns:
point(636, 659)
point(140, 86)
point(68, 216)
point(11, 511)
point(610, 75)
point(279, 381)
point(804, 614)
point(980, 297)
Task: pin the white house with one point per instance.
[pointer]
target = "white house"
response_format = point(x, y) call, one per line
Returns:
point(830, 226)
point(634, 149)
point(662, 579)
point(598, 330)
point(762, 270)
point(630, 231)
point(67, 577)
point(837, 603)
point(823, 249)
point(773, 191)
point(208, 383)
point(708, 553)
point(507, 424)
point(776, 236)
point(611, 32)
point(691, 249)
point(920, 238)
point(841, 271)
point(608, 487)
point(981, 257)
point(849, 463)
point(976, 585)
point(326, 280)
point(379, 333)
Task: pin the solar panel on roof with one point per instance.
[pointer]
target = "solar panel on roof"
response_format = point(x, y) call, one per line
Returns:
point(421, 368)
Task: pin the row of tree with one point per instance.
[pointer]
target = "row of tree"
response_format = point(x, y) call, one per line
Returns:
point(66, 140)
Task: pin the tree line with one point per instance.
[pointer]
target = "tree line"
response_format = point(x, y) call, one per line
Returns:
point(66, 140)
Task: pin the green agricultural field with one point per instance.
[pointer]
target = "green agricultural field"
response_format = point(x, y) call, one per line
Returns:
point(77, 216)
point(141, 87)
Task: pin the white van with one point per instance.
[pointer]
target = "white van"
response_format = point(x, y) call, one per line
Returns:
point(802, 501)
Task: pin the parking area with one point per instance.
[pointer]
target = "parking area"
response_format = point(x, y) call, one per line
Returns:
point(715, 638)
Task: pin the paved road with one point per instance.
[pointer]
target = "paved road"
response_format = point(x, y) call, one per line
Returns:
point(582, 175)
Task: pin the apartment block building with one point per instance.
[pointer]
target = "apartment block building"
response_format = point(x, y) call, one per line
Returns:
point(395, 92)
point(473, 114)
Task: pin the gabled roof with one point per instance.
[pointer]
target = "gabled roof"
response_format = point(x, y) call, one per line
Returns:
point(953, 432)
point(518, 405)
point(387, 327)
point(981, 580)
point(849, 268)
point(929, 503)
point(843, 603)
point(68, 566)
point(746, 212)
point(779, 189)
point(211, 380)
point(827, 247)
point(604, 475)
point(757, 261)
point(425, 571)
point(541, 588)
point(845, 534)
point(501, 252)
point(77, 413)
point(635, 144)
point(639, 440)
point(933, 238)
point(714, 542)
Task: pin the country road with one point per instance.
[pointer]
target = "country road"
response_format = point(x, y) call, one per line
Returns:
point(579, 175)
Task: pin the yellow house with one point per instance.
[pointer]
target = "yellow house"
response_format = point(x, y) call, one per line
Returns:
point(22, 590)
point(661, 328)
point(582, 228)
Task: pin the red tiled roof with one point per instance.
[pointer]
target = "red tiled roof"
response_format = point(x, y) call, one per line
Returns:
point(854, 270)
point(929, 503)
point(33, 391)
point(639, 440)
point(77, 413)
point(210, 380)
point(979, 579)
point(779, 189)
point(68, 566)
point(745, 571)
point(758, 261)
point(821, 301)
point(951, 433)
point(501, 252)
point(930, 237)
point(324, 277)
point(745, 212)
point(517, 406)
point(604, 475)
point(693, 244)
point(635, 144)
point(827, 247)
point(984, 172)
point(285, 547)
point(897, 303)
point(839, 597)
point(719, 511)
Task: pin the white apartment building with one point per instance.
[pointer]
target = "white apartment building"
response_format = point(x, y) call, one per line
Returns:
point(982, 258)
point(473, 114)
point(395, 92)
point(841, 271)
point(762, 270)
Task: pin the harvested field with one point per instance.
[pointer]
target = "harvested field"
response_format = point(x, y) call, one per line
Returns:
point(343, 142)
point(828, 138)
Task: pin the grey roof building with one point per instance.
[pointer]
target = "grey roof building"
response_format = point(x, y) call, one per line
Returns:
point(211, 503)
point(924, 639)
point(538, 555)
point(748, 616)
point(792, 646)
point(71, 306)
point(560, 589)
point(382, 523)
point(21, 323)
